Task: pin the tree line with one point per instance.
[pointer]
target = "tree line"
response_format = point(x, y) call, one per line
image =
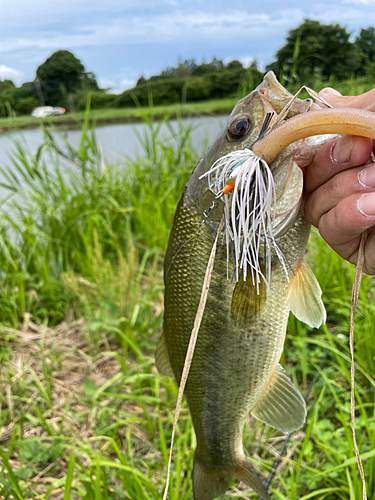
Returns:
point(312, 51)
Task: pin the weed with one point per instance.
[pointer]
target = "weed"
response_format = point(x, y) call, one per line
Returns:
point(83, 413)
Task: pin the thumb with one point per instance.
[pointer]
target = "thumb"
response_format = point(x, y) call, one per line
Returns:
point(332, 96)
point(363, 101)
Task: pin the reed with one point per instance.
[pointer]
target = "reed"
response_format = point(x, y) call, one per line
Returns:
point(83, 413)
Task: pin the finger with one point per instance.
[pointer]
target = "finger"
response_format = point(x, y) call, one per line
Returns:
point(353, 181)
point(342, 226)
point(363, 101)
point(334, 157)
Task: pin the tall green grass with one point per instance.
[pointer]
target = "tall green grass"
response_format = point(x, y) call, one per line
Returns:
point(83, 412)
point(63, 202)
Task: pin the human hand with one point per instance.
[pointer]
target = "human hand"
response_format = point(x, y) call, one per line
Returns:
point(340, 187)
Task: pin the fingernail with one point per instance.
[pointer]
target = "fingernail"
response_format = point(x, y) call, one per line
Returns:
point(342, 149)
point(366, 204)
point(330, 90)
point(366, 176)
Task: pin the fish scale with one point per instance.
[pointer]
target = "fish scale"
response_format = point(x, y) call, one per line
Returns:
point(235, 368)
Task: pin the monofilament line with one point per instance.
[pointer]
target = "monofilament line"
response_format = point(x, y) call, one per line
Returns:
point(191, 347)
point(355, 294)
point(250, 216)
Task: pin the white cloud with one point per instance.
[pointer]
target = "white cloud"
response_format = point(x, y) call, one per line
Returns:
point(171, 27)
point(360, 2)
point(127, 84)
point(158, 28)
point(30, 31)
point(117, 87)
point(7, 73)
point(22, 11)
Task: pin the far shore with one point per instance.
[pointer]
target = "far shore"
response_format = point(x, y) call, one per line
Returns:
point(118, 115)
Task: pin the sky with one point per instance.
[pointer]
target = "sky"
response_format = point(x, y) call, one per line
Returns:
point(120, 40)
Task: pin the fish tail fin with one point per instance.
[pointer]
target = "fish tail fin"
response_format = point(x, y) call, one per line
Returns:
point(211, 483)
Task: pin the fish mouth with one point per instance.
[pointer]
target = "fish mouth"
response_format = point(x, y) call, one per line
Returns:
point(271, 88)
point(275, 97)
point(261, 202)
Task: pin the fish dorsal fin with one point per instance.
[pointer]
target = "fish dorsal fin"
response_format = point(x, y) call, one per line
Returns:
point(247, 303)
point(162, 362)
point(282, 405)
point(305, 300)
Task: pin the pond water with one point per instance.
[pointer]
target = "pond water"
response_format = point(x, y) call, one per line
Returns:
point(118, 140)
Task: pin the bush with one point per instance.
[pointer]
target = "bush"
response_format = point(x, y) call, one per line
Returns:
point(26, 105)
point(98, 100)
point(216, 85)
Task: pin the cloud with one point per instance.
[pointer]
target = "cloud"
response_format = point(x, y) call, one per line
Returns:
point(360, 2)
point(236, 27)
point(110, 35)
point(155, 28)
point(22, 11)
point(117, 87)
point(7, 73)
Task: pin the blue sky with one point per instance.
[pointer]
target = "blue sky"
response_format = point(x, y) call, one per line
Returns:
point(120, 40)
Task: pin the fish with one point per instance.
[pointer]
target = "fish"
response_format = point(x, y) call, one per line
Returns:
point(235, 369)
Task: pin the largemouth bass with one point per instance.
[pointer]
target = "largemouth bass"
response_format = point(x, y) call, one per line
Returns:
point(235, 368)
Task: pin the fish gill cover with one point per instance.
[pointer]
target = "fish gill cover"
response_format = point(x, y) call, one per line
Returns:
point(249, 213)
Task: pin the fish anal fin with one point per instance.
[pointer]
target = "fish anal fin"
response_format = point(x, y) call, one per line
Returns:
point(210, 483)
point(246, 473)
point(282, 405)
point(162, 362)
point(305, 299)
point(247, 303)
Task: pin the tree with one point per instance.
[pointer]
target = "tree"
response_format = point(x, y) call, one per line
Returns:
point(315, 48)
point(141, 81)
point(366, 44)
point(62, 74)
point(233, 65)
point(6, 85)
point(89, 81)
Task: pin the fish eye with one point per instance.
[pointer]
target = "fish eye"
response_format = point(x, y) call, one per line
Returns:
point(239, 127)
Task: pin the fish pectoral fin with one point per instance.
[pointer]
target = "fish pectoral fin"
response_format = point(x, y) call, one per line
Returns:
point(162, 362)
point(247, 301)
point(282, 405)
point(210, 483)
point(305, 299)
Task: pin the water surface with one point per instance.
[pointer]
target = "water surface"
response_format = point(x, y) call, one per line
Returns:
point(118, 140)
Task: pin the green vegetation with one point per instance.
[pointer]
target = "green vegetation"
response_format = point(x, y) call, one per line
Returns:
point(314, 54)
point(61, 75)
point(192, 82)
point(324, 50)
point(351, 86)
point(62, 80)
point(122, 115)
point(84, 414)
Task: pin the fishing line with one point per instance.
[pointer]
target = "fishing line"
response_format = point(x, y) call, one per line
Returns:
point(265, 128)
point(244, 169)
point(191, 347)
point(286, 442)
point(355, 294)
